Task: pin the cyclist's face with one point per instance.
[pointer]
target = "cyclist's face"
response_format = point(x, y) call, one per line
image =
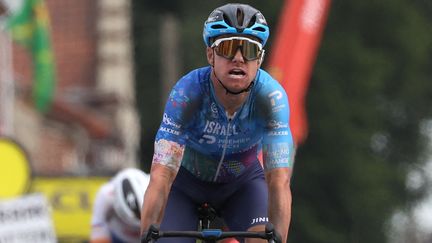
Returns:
point(236, 73)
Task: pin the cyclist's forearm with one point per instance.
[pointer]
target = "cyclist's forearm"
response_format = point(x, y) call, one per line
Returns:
point(166, 162)
point(156, 195)
point(280, 201)
point(280, 214)
point(152, 209)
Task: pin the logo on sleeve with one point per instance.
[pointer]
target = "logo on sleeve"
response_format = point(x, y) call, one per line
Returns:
point(274, 97)
point(277, 124)
point(168, 121)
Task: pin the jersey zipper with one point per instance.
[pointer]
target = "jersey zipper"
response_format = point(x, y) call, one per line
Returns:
point(229, 118)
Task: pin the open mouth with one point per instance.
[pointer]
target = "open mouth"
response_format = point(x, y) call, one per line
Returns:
point(237, 72)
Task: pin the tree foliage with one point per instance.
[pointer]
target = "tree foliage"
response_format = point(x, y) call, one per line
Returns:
point(369, 93)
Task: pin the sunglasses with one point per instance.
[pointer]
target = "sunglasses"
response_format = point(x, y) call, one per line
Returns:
point(227, 47)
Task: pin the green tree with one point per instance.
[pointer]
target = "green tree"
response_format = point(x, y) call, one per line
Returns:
point(369, 93)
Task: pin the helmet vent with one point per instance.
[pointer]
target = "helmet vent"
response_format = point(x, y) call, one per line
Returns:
point(218, 26)
point(227, 20)
point(240, 17)
point(251, 22)
point(260, 29)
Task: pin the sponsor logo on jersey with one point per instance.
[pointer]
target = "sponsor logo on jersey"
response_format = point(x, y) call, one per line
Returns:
point(274, 97)
point(213, 129)
point(233, 143)
point(169, 130)
point(278, 155)
point(276, 124)
point(208, 139)
point(216, 128)
point(259, 220)
point(168, 121)
point(278, 133)
point(214, 110)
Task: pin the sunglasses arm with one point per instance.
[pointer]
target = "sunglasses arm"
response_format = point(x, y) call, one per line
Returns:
point(261, 59)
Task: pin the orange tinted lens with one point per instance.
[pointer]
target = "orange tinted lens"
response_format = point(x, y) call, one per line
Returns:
point(250, 50)
point(228, 49)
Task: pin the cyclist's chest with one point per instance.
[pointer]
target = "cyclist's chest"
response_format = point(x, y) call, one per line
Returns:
point(212, 129)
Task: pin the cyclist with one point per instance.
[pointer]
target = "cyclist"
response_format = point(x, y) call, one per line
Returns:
point(216, 121)
point(117, 208)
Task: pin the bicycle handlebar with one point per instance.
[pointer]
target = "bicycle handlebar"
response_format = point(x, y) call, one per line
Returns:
point(211, 234)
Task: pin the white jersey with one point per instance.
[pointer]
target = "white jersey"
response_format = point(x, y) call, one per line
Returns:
point(105, 223)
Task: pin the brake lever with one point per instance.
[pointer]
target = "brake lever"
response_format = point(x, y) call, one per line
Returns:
point(151, 235)
point(271, 234)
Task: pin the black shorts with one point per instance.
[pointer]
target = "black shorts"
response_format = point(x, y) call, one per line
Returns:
point(242, 203)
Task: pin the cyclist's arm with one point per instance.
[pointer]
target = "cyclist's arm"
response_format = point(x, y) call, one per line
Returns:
point(166, 162)
point(170, 141)
point(278, 169)
point(280, 199)
point(278, 155)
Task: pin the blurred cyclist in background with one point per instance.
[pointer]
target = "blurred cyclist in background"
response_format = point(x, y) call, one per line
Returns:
point(216, 121)
point(117, 208)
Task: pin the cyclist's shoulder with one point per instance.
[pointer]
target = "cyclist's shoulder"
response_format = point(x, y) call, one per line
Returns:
point(267, 89)
point(106, 192)
point(190, 90)
point(266, 83)
point(197, 77)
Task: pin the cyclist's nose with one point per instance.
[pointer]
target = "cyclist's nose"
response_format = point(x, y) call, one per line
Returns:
point(238, 57)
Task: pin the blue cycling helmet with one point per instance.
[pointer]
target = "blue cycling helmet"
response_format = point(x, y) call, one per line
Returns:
point(235, 18)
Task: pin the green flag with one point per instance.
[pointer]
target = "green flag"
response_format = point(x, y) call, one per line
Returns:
point(30, 27)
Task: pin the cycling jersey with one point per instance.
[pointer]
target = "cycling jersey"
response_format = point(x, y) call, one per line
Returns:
point(218, 147)
point(106, 224)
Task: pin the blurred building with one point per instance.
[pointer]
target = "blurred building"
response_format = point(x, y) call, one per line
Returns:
point(93, 126)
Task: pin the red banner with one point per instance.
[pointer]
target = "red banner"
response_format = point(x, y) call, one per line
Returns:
point(293, 54)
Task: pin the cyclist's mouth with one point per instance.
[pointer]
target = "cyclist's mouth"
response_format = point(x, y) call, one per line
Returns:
point(237, 73)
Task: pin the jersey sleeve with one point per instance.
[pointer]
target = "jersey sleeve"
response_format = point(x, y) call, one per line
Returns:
point(180, 106)
point(277, 143)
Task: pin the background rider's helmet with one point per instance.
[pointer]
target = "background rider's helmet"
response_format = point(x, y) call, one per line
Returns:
point(129, 187)
point(235, 18)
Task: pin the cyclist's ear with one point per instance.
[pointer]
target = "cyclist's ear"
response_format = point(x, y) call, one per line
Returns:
point(210, 56)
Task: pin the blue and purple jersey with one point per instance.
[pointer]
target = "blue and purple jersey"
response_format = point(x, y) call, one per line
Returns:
point(219, 148)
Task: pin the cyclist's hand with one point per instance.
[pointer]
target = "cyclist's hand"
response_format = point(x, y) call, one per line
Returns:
point(150, 235)
point(145, 237)
point(275, 236)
